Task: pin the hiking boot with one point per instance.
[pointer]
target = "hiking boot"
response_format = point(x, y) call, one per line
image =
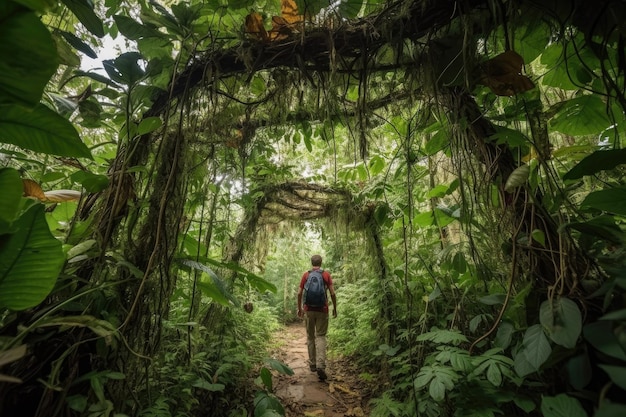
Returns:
point(321, 374)
point(312, 368)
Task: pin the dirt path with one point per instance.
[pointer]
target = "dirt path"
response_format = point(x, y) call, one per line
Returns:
point(302, 394)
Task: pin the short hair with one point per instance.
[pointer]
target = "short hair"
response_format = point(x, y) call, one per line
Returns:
point(316, 260)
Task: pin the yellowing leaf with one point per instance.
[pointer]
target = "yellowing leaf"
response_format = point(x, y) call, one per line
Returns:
point(32, 189)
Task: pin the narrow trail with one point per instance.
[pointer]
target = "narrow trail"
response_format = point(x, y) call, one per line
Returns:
point(304, 395)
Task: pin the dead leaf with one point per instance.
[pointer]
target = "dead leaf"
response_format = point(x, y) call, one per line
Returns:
point(314, 413)
point(254, 26)
point(283, 26)
point(503, 74)
point(32, 189)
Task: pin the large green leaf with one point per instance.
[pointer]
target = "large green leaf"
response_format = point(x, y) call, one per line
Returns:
point(12, 190)
point(562, 406)
point(584, 115)
point(616, 373)
point(29, 59)
point(602, 337)
point(536, 346)
point(562, 319)
point(596, 162)
point(215, 288)
point(134, 30)
point(124, 69)
point(41, 130)
point(612, 200)
point(83, 9)
point(30, 261)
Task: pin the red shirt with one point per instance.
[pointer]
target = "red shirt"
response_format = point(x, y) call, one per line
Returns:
point(327, 282)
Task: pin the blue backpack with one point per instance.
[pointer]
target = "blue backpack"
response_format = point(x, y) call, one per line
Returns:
point(314, 289)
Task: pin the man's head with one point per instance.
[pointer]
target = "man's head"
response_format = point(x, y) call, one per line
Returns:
point(316, 260)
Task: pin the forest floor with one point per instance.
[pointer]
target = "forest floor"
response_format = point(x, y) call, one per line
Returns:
point(302, 394)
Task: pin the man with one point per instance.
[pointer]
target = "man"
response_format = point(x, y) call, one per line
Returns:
point(316, 315)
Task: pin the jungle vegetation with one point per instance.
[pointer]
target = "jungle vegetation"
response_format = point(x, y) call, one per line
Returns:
point(459, 165)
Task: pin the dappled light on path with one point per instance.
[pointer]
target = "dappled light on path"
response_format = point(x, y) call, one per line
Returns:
point(303, 394)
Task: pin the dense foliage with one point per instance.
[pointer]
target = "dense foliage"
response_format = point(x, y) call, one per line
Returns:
point(459, 164)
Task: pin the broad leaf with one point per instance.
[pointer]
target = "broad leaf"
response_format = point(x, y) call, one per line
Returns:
point(562, 319)
point(536, 346)
point(612, 200)
point(214, 289)
point(597, 162)
point(11, 186)
point(602, 337)
point(83, 9)
point(279, 366)
point(92, 183)
point(30, 261)
point(134, 30)
point(504, 335)
point(585, 115)
point(41, 130)
point(26, 48)
point(79, 44)
point(124, 69)
point(616, 373)
point(562, 406)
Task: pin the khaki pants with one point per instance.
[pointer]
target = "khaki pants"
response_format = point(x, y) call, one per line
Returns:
point(316, 328)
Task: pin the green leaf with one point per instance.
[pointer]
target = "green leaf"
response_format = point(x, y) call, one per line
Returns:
point(83, 10)
point(12, 189)
point(266, 377)
point(149, 124)
point(524, 404)
point(579, 371)
point(437, 142)
point(350, 9)
point(443, 336)
point(536, 346)
point(511, 137)
point(517, 178)
point(608, 409)
point(597, 162)
point(29, 59)
point(214, 289)
point(30, 261)
point(602, 337)
point(612, 200)
point(616, 373)
point(206, 385)
point(563, 321)
point(41, 130)
point(504, 335)
point(265, 405)
point(78, 44)
point(585, 115)
point(494, 375)
point(493, 299)
point(124, 69)
point(562, 406)
point(91, 182)
point(539, 237)
point(134, 30)
point(279, 366)
point(310, 7)
point(603, 227)
point(424, 219)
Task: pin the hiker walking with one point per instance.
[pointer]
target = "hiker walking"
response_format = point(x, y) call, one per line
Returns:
point(313, 305)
